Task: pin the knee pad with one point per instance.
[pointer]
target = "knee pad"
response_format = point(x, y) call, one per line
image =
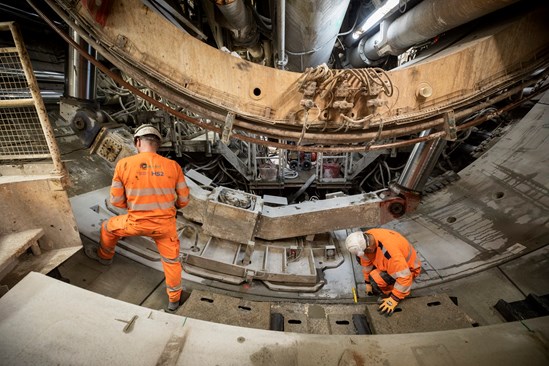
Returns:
point(375, 287)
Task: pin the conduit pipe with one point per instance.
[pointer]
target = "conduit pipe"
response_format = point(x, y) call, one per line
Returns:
point(314, 26)
point(425, 21)
point(281, 33)
point(80, 72)
point(420, 164)
point(240, 21)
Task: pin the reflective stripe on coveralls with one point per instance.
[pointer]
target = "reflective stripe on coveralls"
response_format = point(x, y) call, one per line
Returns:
point(166, 241)
point(171, 288)
point(182, 197)
point(366, 269)
point(396, 257)
point(151, 187)
point(103, 251)
point(150, 206)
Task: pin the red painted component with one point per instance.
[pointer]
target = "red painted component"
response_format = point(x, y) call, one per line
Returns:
point(99, 9)
point(331, 170)
point(391, 208)
point(307, 156)
point(396, 202)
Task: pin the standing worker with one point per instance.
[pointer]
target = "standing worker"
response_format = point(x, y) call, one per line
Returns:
point(151, 187)
point(389, 264)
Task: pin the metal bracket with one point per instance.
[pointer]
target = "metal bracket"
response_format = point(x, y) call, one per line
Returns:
point(248, 253)
point(450, 126)
point(329, 252)
point(250, 274)
point(383, 47)
point(228, 128)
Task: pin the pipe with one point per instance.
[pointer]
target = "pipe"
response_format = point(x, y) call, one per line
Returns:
point(421, 162)
point(426, 20)
point(80, 73)
point(240, 21)
point(91, 76)
point(281, 33)
point(46, 76)
point(314, 26)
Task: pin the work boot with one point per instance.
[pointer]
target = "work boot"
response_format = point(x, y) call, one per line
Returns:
point(174, 305)
point(91, 252)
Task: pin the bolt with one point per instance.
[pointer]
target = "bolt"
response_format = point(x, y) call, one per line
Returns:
point(424, 92)
point(79, 123)
point(396, 209)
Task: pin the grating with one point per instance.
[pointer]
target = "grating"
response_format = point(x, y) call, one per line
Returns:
point(25, 131)
point(21, 135)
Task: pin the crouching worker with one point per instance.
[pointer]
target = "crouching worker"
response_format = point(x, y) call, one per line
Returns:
point(151, 187)
point(389, 264)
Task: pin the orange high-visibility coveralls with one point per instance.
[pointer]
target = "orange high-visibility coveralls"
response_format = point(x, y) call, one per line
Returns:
point(393, 266)
point(151, 187)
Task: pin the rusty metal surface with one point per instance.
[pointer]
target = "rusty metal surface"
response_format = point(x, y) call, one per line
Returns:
point(240, 208)
point(312, 217)
point(276, 112)
point(273, 223)
point(289, 262)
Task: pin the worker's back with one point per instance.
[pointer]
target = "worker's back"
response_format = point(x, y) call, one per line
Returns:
point(146, 184)
point(391, 238)
point(393, 244)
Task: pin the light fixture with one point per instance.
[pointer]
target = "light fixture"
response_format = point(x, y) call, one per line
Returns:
point(373, 19)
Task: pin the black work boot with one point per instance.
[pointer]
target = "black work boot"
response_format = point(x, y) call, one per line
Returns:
point(91, 252)
point(174, 305)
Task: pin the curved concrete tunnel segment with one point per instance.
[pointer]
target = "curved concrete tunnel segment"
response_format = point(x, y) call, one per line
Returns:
point(161, 338)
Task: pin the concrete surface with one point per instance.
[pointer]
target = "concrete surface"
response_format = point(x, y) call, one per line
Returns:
point(318, 318)
point(226, 310)
point(124, 280)
point(496, 212)
point(48, 322)
point(530, 273)
point(421, 314)
point(477, 294)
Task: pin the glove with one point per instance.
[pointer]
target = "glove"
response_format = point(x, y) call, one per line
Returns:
point(388, 306)
point(369, 289)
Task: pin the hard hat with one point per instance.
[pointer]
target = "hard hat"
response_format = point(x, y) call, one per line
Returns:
point(357, 242)
point(147, 129)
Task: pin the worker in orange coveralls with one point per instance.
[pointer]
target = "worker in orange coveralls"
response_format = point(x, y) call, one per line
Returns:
point(389, 264)
point(151, 187)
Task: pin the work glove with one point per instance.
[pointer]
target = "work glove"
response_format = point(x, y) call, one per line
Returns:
point(369, 289)
point(388, 306)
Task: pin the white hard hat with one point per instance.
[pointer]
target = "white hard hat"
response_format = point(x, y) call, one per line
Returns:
point(147, 129)
point(357, 242)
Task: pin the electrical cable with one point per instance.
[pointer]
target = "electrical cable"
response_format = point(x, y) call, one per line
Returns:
point(290, 173)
